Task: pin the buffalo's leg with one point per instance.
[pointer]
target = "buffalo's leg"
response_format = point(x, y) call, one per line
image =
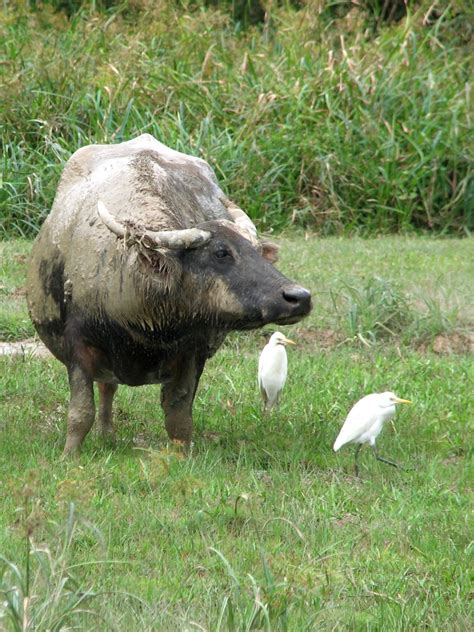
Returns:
point(177, 398)
point(106, 398)
point(81, 408)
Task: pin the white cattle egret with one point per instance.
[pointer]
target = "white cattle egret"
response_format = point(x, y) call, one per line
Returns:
point(365, 421)
point(273, 368)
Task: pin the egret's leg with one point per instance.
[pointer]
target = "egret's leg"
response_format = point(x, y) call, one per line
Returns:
point(356, 454)
point(380, 458)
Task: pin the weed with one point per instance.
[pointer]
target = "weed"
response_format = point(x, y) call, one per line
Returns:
point(377, 310)
point(373, 311)
point(14, 326)
point(43, 593)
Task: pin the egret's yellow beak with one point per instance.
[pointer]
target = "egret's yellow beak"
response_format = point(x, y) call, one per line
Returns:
point(402, 401)
point(289, 342)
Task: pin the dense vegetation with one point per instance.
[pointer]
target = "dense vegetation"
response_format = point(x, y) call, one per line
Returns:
point(314, 115)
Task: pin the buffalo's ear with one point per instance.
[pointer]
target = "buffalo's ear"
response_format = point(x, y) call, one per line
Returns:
point(269, 251)
point(162, 264)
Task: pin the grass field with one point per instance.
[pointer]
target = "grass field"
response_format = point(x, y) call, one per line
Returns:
point(262, 527)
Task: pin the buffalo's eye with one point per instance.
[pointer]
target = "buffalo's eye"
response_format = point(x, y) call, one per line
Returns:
point(222, 253)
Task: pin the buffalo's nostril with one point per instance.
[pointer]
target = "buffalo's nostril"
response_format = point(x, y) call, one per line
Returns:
point(297, 295)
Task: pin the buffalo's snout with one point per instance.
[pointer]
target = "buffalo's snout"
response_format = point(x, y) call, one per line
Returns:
point(299, 298)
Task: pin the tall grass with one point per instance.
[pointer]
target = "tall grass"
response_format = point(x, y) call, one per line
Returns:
point(306, 119)
point(46, 590)
point(376, 310)
point(42, 593)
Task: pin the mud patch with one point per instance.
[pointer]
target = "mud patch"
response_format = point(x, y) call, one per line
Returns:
point(453, 343)
point(29, 347)
point(347, 518)
point(453, 460)
point(323, 338)
point(17, 292)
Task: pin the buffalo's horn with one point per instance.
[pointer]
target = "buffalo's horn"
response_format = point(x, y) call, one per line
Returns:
point(178, 239)
point(109, 220)
point(241, 220)
point(172, 239)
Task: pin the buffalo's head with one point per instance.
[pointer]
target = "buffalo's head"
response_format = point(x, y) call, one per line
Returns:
point(215, 273)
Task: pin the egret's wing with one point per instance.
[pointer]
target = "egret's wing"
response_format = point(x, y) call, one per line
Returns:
point(272, 372)
point(284, 369)
point(276, 369)
point(359, 420)
point(263, 392)
point(261, 372)
point(261, 367)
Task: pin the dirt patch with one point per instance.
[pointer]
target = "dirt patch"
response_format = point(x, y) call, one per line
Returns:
point(29, 347)
point(448, 344)
point(443, 344)
point(16, 292)
point(456, 342)
point(323, 338)
point(345, 519)
point(453, 460)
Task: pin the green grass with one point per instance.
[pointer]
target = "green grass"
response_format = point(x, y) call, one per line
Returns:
point(43, 594)
point(14, 321)
point(430, 277)
point(262, 525)
point(307, 120)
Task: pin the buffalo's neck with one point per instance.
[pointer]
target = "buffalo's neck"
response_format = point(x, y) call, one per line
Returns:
point(135, 354)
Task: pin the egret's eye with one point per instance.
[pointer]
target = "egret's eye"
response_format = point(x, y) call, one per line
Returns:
point(222, 253)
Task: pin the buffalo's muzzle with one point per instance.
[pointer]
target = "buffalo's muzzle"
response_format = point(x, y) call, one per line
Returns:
point(299, 298)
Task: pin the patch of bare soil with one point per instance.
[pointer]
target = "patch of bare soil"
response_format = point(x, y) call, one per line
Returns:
point(347, 518)
point(17, 292)
point(323, 338)
point(453, 460)
point(29, 347)
point(453, 343)
point(456, 342)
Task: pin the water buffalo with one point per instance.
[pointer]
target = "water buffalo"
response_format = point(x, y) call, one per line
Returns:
point(139, 272)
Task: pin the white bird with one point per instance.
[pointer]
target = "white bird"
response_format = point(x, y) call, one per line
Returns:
point(365, 421)
point(273, 369)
